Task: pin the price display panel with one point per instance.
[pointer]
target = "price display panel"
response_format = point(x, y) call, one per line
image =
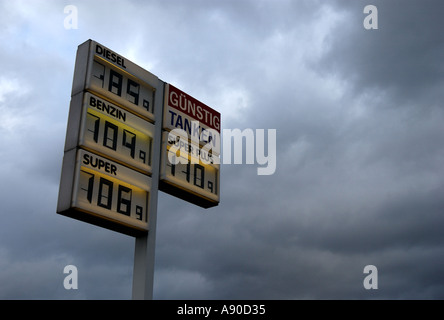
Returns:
point(111, 191)
point(189, 172)
point(112, 76)
point(121, 87)
point(116, 133)
point(109, 145)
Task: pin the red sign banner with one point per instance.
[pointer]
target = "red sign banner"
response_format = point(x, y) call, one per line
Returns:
point(192, 107)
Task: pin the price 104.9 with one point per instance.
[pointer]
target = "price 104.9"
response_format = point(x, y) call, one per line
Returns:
point(117, 140)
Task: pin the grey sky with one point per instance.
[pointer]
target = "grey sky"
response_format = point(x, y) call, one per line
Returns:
point(359, 122)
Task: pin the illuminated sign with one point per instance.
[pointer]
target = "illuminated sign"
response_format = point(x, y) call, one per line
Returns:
point(107, 166)
point(188, 171)
point(114, 77)
point(115, 132)
point(200, 122)
point(190, 149)
point(105, 190)
point(129, 135)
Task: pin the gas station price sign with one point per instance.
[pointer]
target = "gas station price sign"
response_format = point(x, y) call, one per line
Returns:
point(130, 135)
point(190, 149)
point(109, 147)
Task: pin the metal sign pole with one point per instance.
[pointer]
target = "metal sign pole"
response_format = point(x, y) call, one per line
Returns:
point(143, 273)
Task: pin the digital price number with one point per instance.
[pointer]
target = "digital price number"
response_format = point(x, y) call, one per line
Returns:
point(115, 132)
point(117, 83)
point(201, 178)
point(97, 190)
point(182, 167)
point(107, 164)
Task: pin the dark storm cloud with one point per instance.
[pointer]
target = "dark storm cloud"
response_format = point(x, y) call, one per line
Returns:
point(359, 157)
point(402, 57)
point(357, 182)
